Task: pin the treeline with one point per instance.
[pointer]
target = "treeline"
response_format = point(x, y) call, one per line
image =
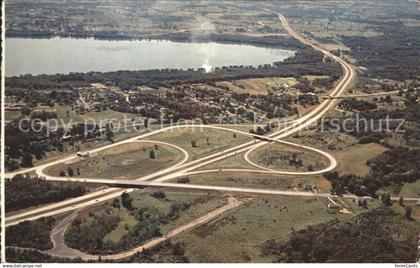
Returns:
point(397, 165)
point(34, 97)
point(23, 191)
point(28, 139)
point(165, 252)
point(31, 234)
point(20, 255)
point(359, 105)
point(368, 238)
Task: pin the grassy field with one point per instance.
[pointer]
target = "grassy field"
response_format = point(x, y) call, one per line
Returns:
point(277, 156)
point(127, 161)
point(11, 115)
point(352, 160)
point(411, 189)
point(415, 214)
point(259, 86)
point(236, 161)
point(217, 139)
point(238, 235)
point(258, 180)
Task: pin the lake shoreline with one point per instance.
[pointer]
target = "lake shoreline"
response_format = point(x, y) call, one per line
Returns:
point(35, 56)
point(269, 41)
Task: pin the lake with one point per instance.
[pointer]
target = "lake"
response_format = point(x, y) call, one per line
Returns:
point(65, 55)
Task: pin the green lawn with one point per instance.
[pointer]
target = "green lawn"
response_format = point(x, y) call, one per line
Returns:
point(236, 161)
point(352, 160)
point(11, 115)
point(411, 189)
point(127, 161)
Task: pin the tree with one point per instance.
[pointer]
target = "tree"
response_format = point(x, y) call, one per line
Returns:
point(183, 180)
point(62, 173)
point(152, 154)
point(116, 203)
point(70, 172)
point(26, 160)
point(109, 132)
point(38, 151)
point(364, 203)
point(408, 211)
point(401, 201)
point(126, 201)
point(386, 199)
point(194, 143)
point(12, 165)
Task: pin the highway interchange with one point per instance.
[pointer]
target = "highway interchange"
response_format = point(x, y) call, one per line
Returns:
point(186, 167)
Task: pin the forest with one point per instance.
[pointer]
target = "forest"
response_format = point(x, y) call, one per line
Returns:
point(380, 235)
point(31, 234)
point(23, 191)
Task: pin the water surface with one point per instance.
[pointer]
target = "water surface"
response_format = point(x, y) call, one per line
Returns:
point(65, 55)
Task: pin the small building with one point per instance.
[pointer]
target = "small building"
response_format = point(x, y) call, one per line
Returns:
point(333, 206)
point(66, 137)
point(83, 155)
point(309, 187)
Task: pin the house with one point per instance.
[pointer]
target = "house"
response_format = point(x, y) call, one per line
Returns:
point(66, 137)
point(333, 206)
